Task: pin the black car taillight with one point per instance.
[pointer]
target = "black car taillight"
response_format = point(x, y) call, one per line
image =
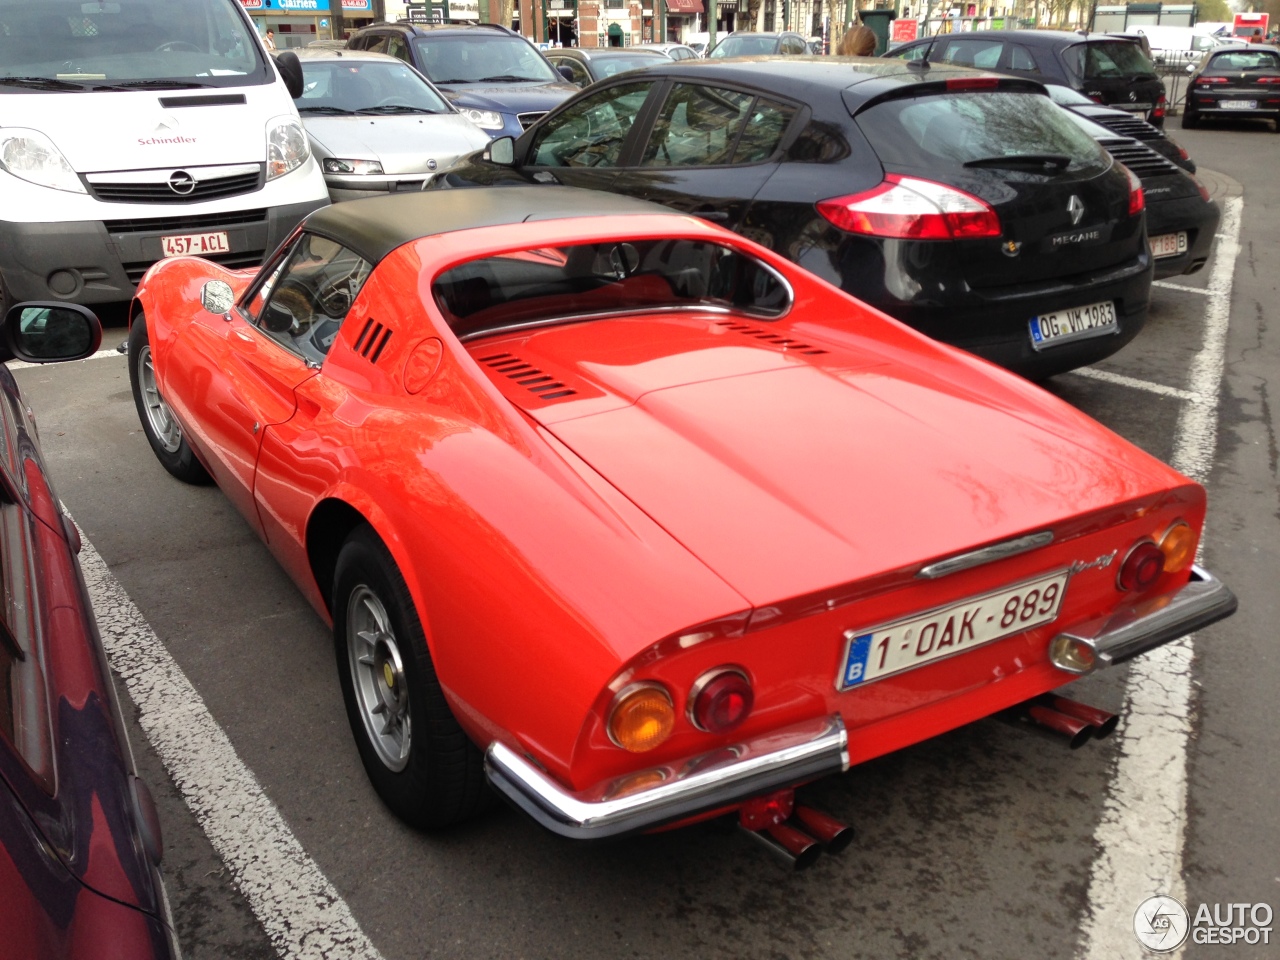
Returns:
point(1137, 200)
point(908, 208)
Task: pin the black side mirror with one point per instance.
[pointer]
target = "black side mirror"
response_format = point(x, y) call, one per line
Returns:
point(565, 72)
point(290, 71)
point(49, 332)
point(501, 151)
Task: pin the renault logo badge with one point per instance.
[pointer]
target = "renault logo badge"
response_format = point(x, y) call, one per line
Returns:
point(1076, 208)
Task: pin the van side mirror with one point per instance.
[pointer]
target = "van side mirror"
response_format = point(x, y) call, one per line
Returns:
point(501, 151)
point(290, 68)
point(49, 332)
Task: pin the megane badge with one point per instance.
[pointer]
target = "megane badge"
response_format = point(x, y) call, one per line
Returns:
point(181, 182)
point(1076, 208)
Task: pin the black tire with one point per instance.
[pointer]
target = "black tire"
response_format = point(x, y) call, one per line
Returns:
point(427, 772)
point(161, 429)
point(1189, 120)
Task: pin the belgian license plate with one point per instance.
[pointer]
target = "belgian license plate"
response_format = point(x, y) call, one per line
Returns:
point(906, 644)
point(197, 244)
point(1073, 323)
point(1169, 244)
point(1238, 104)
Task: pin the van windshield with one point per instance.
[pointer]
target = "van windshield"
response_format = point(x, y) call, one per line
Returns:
point(70, 45)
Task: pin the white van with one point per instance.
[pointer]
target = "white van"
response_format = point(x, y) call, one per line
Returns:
point(132, 130)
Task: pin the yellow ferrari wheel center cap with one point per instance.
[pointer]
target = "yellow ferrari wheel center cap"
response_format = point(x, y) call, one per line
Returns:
point(389, 675)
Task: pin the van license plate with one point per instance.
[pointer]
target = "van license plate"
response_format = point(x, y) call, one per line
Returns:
point(1169, 244)
point(1073, 323)
point(195, 244)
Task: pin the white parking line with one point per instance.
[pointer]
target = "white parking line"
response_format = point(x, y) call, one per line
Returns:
point(1169, 285)
point(292, 899)
point(1119, 379)
point(1141, 835)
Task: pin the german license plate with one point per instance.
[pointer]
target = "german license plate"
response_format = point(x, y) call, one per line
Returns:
point(906, 644)
point(196, 244)
point(1169, 244)
point(1073, 323)
point(1238, 104)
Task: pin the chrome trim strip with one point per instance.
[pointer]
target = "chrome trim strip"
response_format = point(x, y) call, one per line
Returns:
point(684, 788)
point(1157, 621)
point(976, 558)
point(160, 177)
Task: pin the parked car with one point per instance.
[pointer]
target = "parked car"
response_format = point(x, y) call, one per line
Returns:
point(504, 441)
point(1109, 70)
point(749, 44)
point(494, 76)
point(1122, 124)
point(1241, 82)
point(1181, 216)
point(966, 205)
point(80, 842)
point(376, 125)
point(673, 51)
point(583, 66)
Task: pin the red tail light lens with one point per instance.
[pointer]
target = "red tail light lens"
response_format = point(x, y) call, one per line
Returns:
point(1142, 567)
point(721, 699)
point(1182, 153)
point(972, 83)
point(1269, 79)
point(907, 208)
point(1204, 191)
point(1137, 200)
point(1160, 106)
point(1209, 81)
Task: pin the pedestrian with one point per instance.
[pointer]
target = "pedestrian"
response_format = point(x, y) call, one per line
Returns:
point(858, 42)
point(1257, 37)
point(271, 42)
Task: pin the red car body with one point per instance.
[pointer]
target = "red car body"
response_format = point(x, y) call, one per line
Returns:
point(699, 488)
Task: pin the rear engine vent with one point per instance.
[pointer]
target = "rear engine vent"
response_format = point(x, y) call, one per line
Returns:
point(1133, 127)
point(1142, 160)
point(786, 343)
point(373, 340)
point(541, 385)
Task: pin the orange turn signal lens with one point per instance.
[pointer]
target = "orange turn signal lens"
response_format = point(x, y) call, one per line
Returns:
point(642, 717)
point(1178, 546)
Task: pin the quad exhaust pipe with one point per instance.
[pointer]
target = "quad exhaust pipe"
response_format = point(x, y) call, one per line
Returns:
point(798, 837)
point(1077, 722)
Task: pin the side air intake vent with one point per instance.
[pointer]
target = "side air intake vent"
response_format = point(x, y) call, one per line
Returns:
point(541, 385)
point(373, 340)
point(793, 346)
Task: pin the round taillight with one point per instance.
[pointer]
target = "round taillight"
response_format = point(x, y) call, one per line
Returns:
point(642, 717)
point(1142, 567)
point(1178, 546)
point(720, 700)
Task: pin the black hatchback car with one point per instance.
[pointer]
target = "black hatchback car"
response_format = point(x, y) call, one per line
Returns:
point(1236, 83)
point(496, 78)
point(966, 205)
point(1109, 70)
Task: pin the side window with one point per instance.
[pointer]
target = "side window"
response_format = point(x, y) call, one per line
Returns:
point(579, 72)
point(397, 47)
point(972, 53)
point(377, 43)
point(918, 52)
point(699, 126)
point(1020, 59)
point(302, 304)
point(793, 46)
point(592, 133)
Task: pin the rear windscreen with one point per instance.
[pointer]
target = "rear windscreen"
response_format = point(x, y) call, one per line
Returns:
point(1105, 60)
point(551, 284)
point(1245, 60)
point(945, 132)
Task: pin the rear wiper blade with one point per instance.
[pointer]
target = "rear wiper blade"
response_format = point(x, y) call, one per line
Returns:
point(1058, 161)
point(42, 83)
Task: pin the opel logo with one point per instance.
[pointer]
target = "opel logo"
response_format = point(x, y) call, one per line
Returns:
point(431, 165)
point(181, 182)
point(1076, 208)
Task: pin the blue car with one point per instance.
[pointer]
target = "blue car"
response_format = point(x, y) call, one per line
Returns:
point(496, 78)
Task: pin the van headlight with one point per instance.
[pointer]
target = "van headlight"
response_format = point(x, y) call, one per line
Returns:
point(287, 147)
point(31, 156)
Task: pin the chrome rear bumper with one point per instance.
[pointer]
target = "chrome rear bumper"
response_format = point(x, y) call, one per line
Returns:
point(670, 792)
point(1121, 636)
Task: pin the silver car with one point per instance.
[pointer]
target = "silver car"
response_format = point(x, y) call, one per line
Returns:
point(376, 125)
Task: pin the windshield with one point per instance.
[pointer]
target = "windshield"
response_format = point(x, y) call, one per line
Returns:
point(144, 43)
point(489, 59)
point(745, 46)
point(613, 65)
point(1065, 96)
point(558, 284)
point(929, 134)
point(348, 86)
